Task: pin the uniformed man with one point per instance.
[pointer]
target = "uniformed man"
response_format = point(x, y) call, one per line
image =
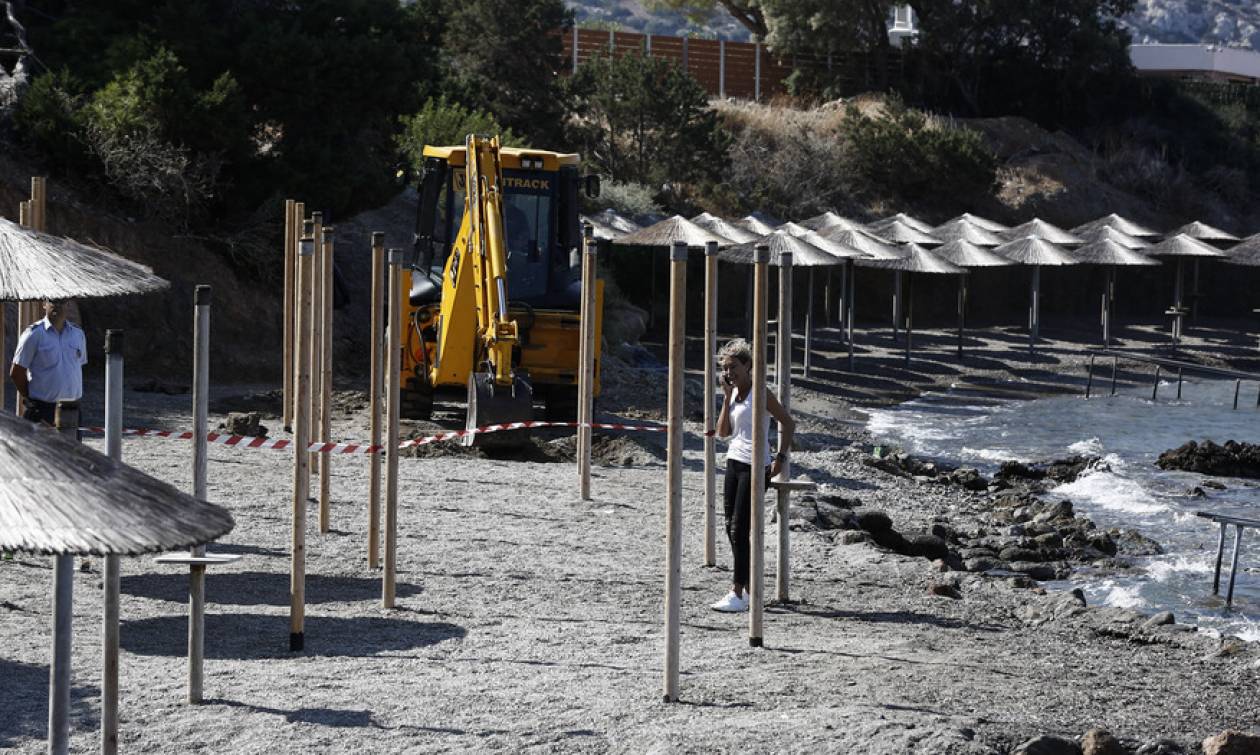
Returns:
point(48, 363)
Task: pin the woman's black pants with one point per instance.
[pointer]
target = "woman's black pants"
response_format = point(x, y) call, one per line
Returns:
point(737, 505)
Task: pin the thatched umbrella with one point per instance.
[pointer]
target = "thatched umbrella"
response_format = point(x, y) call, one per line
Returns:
point(724, 228)
point(36, 265)
point(662, 235)
point(1041, 229)
point(965, 230)
point(602, 231)
point(870, 245)
point(917, 260)
point(62, 498)
point(1109, 233)
point(907, 220)
point(1112, 254)
point(900, 232)
point(1203, 232)
point(1247, 254)
point(967, 255)
point(829, 220)
point(988, 225)
point(1181, 246)
point(1119, 223)
point(1035, 251)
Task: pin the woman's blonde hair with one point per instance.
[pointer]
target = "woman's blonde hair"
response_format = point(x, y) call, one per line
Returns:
point(737, 348)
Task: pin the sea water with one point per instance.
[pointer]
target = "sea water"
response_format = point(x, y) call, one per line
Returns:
point(1129, 431)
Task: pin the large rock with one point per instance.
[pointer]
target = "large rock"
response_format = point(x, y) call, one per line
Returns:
point(1229, 460)
point(1059, 470)
point(928, 546)
point(874, 521)
point(1048, 744)
point(243, 423)
point(1101, 742)
point(1232, 743)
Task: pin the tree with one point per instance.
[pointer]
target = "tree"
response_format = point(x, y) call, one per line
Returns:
point(746, 12)
point(504, 56)
point(644, 120)
point(441, 122)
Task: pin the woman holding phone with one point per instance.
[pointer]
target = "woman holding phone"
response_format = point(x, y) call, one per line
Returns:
point(735, 422)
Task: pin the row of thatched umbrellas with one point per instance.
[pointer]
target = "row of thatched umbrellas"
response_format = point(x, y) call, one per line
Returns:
point(909, 246)
point(61, 498)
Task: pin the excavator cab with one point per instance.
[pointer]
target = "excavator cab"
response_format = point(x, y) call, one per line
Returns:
point(525, 205)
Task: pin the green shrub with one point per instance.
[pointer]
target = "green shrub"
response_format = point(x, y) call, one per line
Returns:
point(626, 198)
point(440, 122)
point(48, 118)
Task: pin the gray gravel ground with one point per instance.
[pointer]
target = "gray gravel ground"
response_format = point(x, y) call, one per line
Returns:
point(529, 619)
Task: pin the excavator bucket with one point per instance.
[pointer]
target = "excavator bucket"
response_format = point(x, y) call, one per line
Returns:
point(491, 404)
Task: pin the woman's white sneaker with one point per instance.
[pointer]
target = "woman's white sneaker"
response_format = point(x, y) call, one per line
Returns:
point(731, 603)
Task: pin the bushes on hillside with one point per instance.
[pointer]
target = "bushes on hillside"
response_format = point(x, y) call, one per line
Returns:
point(442, 122)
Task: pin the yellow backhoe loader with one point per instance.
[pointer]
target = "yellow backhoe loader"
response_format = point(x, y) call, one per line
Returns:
point(495, 284)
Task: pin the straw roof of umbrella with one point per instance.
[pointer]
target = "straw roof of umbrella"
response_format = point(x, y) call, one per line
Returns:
point(865, 242)
point(804, 254)
point(1119, 223)
point(900, 232)
point(1043, 230)
point(963, 253)
point(965, 230)
point(985, 223)
point(1110, 233)
point(796, 229)
point(755, 224)
point(1108, 252)
point(917, 260)
point(834, 248)
point(601, 231)
point(36, 265)
point(1182, 245)
point(724, 228)
point(1203, 232)
point(1034, 250)
point(616, 220)
point(829, 220)
point(669, 230)
point(61, 497)
point(904, 219)
point(1246, 252)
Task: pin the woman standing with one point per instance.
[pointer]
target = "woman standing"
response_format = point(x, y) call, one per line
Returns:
point(735, 422)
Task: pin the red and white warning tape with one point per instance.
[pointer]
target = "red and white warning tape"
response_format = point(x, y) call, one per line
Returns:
point(246, 441)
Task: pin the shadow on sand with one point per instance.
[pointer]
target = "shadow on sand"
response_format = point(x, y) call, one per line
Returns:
point(24, 704)
point(256, 588)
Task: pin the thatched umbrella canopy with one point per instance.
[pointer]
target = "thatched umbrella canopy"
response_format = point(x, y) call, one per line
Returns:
point(755, 224)
point(967, 255)
point(601, 230)
point(723, 228)
point(1043, 230)
point(1109, 233)
point(917, 260)
point(1245, 252)
point(1181, 246)
point(829, 220)
point(899, 232)
point(1113, 254)
point(1203, 232)
point(804, 253)
point(1035, 251)
point(989, 225)
point(61, 497)
point(36, 265)
point(963, 230)
point(865, 242)
point(1119, 223)
point(616, 220)
point(904, 219)
point(664, 234)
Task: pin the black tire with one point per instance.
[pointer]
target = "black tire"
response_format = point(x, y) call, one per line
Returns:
point(416, 400)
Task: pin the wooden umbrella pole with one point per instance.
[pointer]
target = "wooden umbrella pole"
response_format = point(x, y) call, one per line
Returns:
point(66, 420)
point(1034, 321)
point(299, 229)
point(301, 439)
point(326, 383)
point(393, 375)
point(23, 308)
point(896, 303)
point(1178, 296)
point(962, 309)
point(673, 505)
point(827, 320)
point(784, 370)
point(852, 276)
point(809, 320)
point(201, 405)
point(290, 262)
point(842, 303)
point(39, 204)
point(374, 399)
point(909, 315)
point(710, 383)
point(756, 536)
point(317, 335)
point(110, 582)
point(583, 320)
point(589, 318)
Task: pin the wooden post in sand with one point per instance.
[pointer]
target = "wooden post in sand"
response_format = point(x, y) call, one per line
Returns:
point(291, 223)
point(673, 504)
point(392, 372)
point(326, 379)
point(317, 334)
point(377, 371)
point(110, 578)
point(586, 394)
point(756, 535)
point(710, 383)
point(299, 231)
point(23, 307)
point(301, 438)
point(783, 494)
